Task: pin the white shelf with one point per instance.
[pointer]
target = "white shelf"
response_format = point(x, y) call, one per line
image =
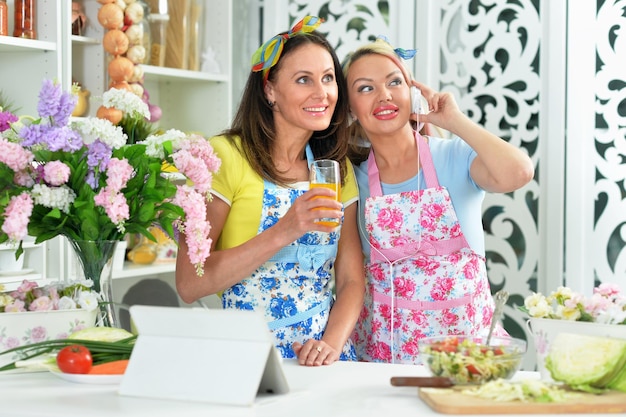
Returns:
point(78, 40)
point(25, 245)
point(13, 285)
point(164, 73)
point(6, 278)
point(12, 44)
point(132, 270)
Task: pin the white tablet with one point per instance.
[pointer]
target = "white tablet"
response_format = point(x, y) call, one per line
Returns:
point(210, 355)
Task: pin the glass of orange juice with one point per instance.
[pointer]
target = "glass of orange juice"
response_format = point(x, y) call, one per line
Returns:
point(325, 173)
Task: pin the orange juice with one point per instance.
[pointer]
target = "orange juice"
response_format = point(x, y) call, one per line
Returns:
point(336, 188)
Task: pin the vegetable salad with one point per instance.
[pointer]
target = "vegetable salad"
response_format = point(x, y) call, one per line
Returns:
point(468, 361)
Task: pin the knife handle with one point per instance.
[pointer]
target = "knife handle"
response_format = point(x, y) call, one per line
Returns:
point(421, 381)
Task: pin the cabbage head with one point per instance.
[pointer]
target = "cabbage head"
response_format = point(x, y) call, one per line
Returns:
point(588, 363)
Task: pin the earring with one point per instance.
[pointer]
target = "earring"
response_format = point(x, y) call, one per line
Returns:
point(271, 103)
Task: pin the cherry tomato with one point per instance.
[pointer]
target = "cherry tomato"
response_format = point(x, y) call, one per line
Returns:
point(74, 359)
point(472, 369)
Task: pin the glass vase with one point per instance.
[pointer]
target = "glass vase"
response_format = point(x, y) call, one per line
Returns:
point(96, 260)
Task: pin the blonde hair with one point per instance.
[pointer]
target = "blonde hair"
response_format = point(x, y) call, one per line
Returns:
point(378, 47)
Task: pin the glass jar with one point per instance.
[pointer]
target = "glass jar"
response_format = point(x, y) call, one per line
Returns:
point(25, 18)
point(4, 20)
point(158, 29)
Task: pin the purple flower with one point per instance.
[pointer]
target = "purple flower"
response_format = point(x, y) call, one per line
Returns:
point(6, 118)
point(65, 108)
point(98, 155)
point(55, 104)
point(32, 134)
point(63, 139)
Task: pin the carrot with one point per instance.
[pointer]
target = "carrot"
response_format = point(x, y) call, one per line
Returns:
point(110, 368)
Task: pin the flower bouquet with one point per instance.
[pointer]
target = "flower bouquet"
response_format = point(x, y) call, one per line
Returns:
point(607, 305)
point(82, 180)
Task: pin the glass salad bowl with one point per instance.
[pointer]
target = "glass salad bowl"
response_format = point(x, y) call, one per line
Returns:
point(468, 360)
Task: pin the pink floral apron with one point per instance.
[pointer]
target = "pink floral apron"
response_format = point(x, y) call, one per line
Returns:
point(423, 278)
point(293, 288)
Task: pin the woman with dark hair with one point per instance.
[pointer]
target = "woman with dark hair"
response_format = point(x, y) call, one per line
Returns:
point(269, 253)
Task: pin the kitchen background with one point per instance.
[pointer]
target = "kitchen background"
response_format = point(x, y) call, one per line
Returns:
point(548, 76)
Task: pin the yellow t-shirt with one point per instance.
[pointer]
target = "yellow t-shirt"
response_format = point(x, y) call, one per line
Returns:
point(242, 188)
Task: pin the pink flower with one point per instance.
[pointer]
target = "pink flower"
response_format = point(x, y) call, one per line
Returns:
point(23, 289)
point(434, 211)
point(16, 306)
point(56, 173)
point(12, 342)
point(389, 219)
point(405, 288)
point(379, 351)
point(15, 156)
point(16, 216)
point(608, 290)
point(448, 318)
point(42, 303)
point(38, 334)
point(442, 288)
point(115, 205)
point(23, 179)
point(119, 171)
point(195, 226)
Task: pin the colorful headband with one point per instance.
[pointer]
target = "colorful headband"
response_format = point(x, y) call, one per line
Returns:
point(268, 54)
point(402, 53)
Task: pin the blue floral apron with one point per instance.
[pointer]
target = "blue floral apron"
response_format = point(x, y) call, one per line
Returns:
point(294, 287)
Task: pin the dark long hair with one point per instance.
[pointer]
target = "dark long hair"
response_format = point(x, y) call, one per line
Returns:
point(254, 119)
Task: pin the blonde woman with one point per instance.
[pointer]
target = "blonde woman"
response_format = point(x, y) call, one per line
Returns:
point(420, 209)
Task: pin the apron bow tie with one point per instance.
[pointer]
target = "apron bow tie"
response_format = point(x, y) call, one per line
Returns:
point(422, 248)
point(312, 256)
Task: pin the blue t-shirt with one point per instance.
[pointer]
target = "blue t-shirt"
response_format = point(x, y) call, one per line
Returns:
point(452, 159)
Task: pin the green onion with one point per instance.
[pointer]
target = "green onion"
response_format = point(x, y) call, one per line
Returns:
point(101, 352)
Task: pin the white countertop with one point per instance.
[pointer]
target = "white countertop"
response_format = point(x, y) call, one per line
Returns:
point(342, 389)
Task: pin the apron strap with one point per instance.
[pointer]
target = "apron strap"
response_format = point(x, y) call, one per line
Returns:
point(416, 305)
point(301, 316)
point(425, 158)
point(424, 247)
point(310, 257)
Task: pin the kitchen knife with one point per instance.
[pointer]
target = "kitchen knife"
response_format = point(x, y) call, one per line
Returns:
point(421, 381)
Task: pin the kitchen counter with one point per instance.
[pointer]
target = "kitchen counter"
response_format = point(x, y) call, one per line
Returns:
point(342, 389)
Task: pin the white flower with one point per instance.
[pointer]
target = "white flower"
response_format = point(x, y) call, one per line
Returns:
point(125, 101)
point(93, 128)
point(537, 305)
point(566, 313)
point(88, 300)
point(614, 314)
point(66, 303)
point(58, 197)
point(5, 299)
point(154, 143)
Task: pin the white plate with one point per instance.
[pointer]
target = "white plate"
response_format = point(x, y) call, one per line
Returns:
point(16, 273)
point(89, 379)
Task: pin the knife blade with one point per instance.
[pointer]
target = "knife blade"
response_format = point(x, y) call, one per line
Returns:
point(421, 381)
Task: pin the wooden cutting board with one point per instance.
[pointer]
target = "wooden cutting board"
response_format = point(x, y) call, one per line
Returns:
point(451, 401)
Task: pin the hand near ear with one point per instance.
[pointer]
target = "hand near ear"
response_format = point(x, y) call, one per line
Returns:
point(443, 110)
